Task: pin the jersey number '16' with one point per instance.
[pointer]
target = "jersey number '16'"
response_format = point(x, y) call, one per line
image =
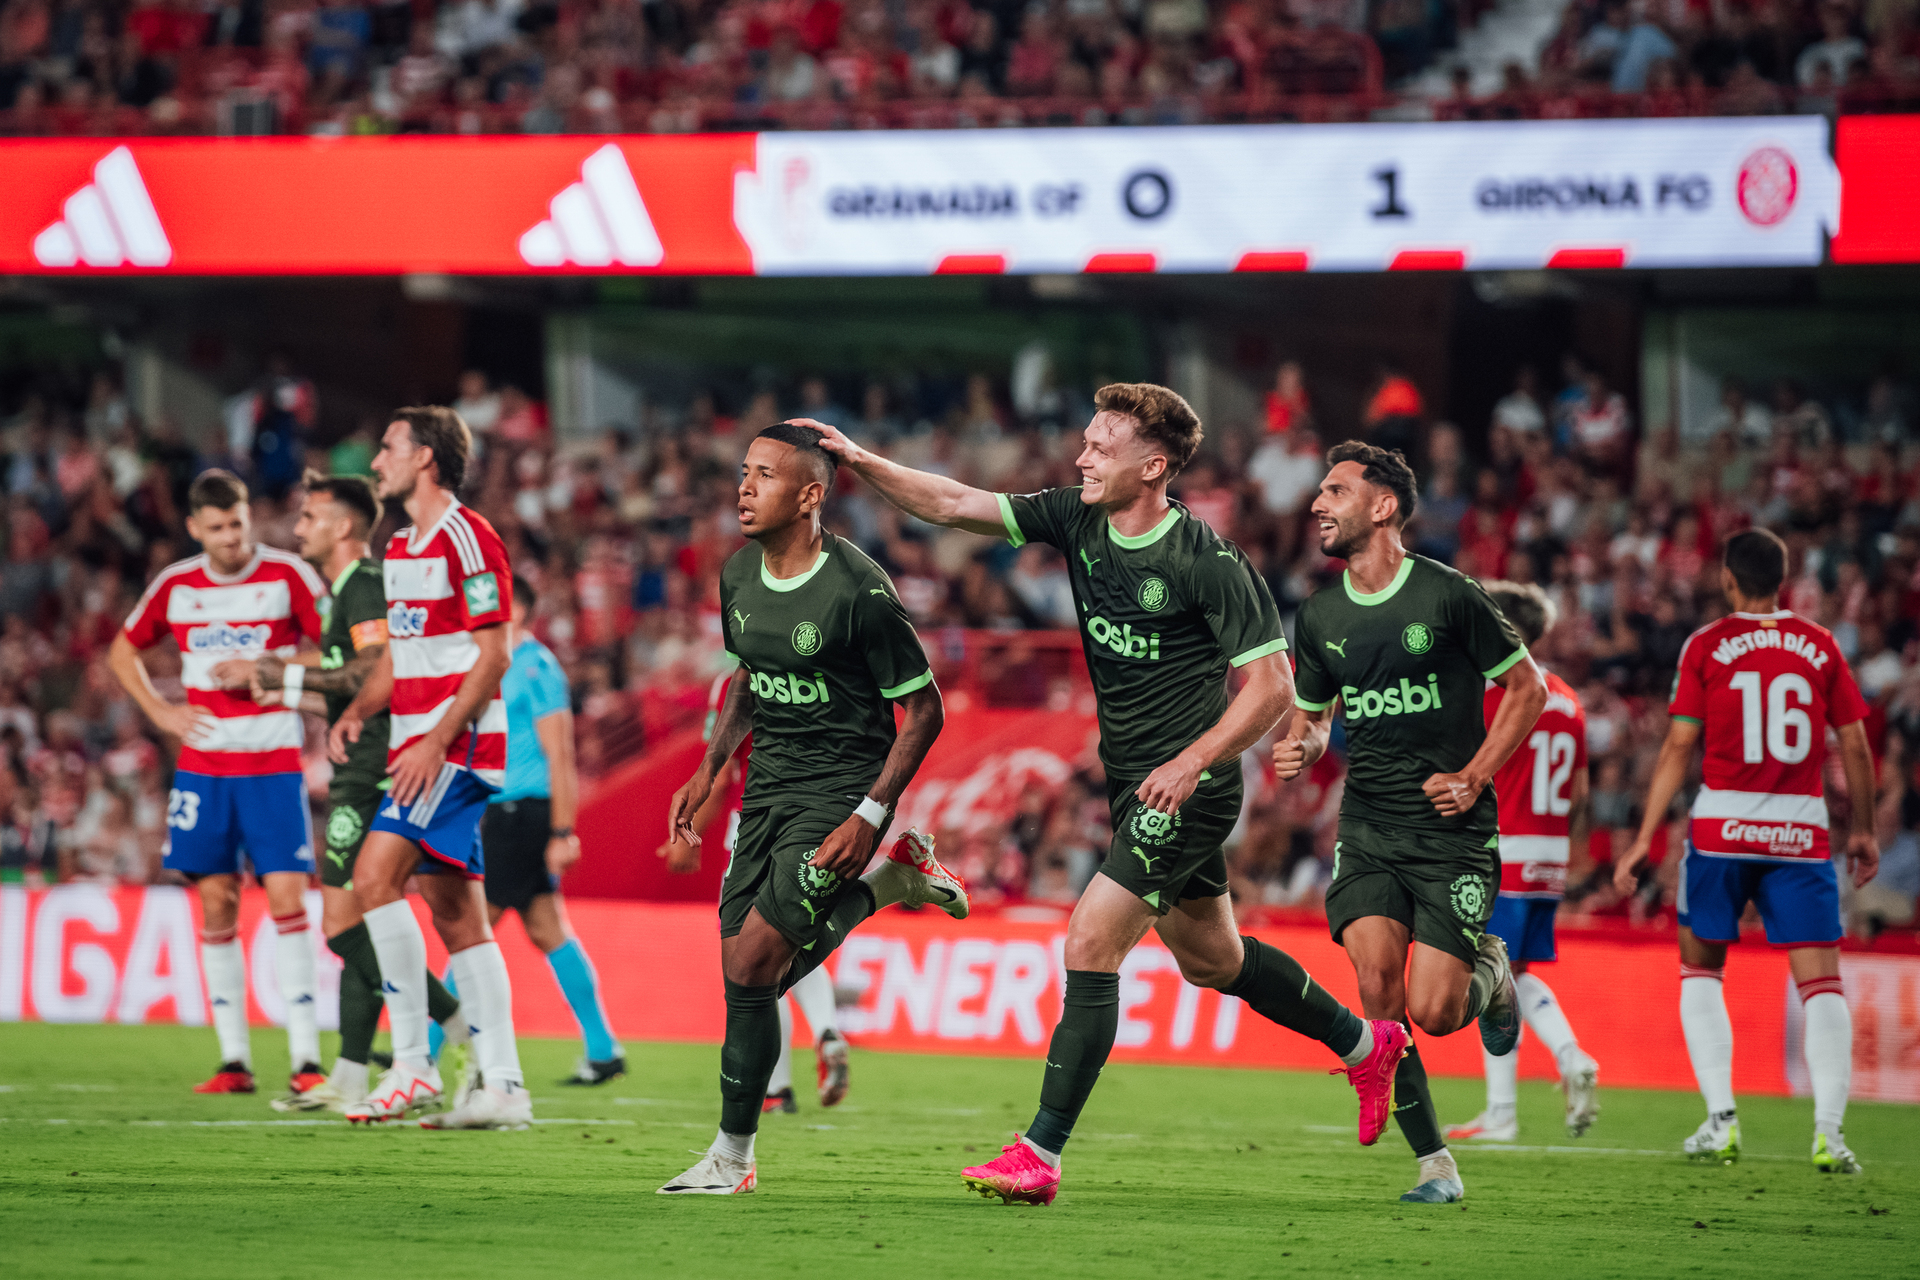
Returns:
point(1780, 719)
point(1552, 766)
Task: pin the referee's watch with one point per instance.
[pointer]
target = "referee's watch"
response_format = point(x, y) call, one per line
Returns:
point(560, 833)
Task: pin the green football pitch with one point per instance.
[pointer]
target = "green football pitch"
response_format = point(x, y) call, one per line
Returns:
point(110, 1166)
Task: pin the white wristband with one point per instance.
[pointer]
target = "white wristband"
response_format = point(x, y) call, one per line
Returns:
point(873, 811)
point(292, 681)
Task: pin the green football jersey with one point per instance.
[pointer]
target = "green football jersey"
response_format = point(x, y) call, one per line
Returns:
point(1410, 665)
point(1162, 617)
point(356, 618)
point(823, 653)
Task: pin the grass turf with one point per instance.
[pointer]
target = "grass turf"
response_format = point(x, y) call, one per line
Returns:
point(110, 1166)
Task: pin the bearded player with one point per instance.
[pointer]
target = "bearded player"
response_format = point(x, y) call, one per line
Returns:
point(237, 784)
point(1402, 649)
point(449, 597)
point(1542, 790)
point(825, 650)
point(1168, 609)
point(1760, 688)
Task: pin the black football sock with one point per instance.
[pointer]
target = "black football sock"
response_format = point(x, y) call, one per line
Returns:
point(1080, 1045)
point(748, 1055)
point(855, 905)
point(1413, 1102)
point(360, 998)
point(1279, 990)
point(1480, 988)
point(441, 1002)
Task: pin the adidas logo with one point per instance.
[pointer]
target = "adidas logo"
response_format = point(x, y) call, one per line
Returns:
point(110, 222)
point(597, 221)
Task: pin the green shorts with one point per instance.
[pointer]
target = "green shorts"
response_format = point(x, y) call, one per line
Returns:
point(771, 870)
point(350, 811)
point(1438, 884)
point(1165, 860)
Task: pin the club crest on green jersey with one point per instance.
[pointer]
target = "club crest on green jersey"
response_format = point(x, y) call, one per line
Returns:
point(1418, 637)
point(343, 827)
point(1153, 595)
point(806, 639)
point(1468, 895)
point(1150, 826)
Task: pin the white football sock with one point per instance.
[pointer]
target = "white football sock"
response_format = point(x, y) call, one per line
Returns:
point(402, 951)
point(890, 882)
point(814, 995)
point(1829, 1046)
point(1363, 1047)
point(1051, 1157)
point(293, 962)
point(226, 971)
point(1503, 1082)
point(1541, 1010)
point(1703, 1016)
point(349, 1079)
point(486, 994)
point(782, 1077)
point(734, 1146)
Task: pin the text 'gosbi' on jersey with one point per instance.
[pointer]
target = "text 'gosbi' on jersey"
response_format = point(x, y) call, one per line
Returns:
point(1535, 788)
point(1764, 688)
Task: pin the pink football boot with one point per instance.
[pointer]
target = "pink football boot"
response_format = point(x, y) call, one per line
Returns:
point(1372, 1077)
point(1017, 1177)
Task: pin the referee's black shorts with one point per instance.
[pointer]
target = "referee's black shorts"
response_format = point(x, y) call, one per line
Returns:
point(514, 835)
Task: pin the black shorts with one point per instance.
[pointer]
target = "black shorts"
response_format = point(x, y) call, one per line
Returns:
point(1164, 860)
point(514, 837)
point(1440, 885)
point(350, 811)
point(771, 870)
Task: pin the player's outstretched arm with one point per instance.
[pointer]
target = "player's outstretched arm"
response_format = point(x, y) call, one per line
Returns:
point(1856, 759)
point(414, 769)
point(185, 722)
point(920, 494)
point(847, 851)
point(1455, 793)
point(1304, 742)
point(375, 693)
point(1259, 705)
point(730, 728)
point(1669, 772)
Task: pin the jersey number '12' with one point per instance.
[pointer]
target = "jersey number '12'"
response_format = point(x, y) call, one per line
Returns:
point(1552, 766)
point(1779, 721)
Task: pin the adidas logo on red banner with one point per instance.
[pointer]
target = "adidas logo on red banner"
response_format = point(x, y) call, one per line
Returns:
point(110, 222)
point(597, 221)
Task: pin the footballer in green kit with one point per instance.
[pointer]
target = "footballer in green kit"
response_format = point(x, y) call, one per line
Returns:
point(1401, 649)
point(1167, 609)
point(826, 650)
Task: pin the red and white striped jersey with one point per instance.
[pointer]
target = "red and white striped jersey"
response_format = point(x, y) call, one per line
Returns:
point(1535, 789)
point(442, 586)
point(1765, 688)
point(265, 608)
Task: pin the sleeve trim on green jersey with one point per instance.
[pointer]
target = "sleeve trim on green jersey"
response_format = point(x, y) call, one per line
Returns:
point(920, 681)
point(1014, 536)
point(1502, 669)
point(1306, 704)
point(1690, 720)
point(1271, 646)
point(732, 656)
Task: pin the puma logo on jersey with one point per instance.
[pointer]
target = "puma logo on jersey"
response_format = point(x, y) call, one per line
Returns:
point(740, 620)
point(1227, 554)
point(875, 591)
point(1340, 648)
point(1089, 562)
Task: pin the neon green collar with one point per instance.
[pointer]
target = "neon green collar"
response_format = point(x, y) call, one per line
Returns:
point(344, 575)
point(796, 582)
point(1148, 538)
point(1385, 593)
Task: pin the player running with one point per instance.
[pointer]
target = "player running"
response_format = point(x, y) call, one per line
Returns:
point(1542, 792)
point(237, 783)
point(1404, 647)
point(1169, 609)
point(337, 516)
point(528, 834)
point(825, 650)
point(1761, 688)
point(813, 993)
point(448, 593)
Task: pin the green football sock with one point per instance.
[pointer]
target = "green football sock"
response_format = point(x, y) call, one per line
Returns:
point(1480, 988)
point(1279, 990)
point(748, 1055)
point(360, 998)
point(1088, 1019)
point(1413, 1102)
point(441, 1002)
point(855, 905)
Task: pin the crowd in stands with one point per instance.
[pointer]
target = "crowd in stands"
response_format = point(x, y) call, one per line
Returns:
point(624, 533)
point(351, 67)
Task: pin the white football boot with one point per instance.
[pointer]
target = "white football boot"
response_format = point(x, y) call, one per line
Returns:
point(1717, 1138)
point(1830, 1154)
point(1488, 1126)
point(1580, 1081)
point(1439, 1181)
point(717, 1174)
point(401, 1092)
point(913, 876)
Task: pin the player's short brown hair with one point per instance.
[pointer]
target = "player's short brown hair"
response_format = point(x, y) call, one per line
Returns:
point(1386, 468)
point(1527, 607)
point(1160, 416)
point(1757, 559)
point(221, 490)
point(354, 493)
point(436, 427)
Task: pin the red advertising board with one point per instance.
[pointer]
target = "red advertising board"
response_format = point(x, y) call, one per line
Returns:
point(1879, 159)
point(989, 985)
